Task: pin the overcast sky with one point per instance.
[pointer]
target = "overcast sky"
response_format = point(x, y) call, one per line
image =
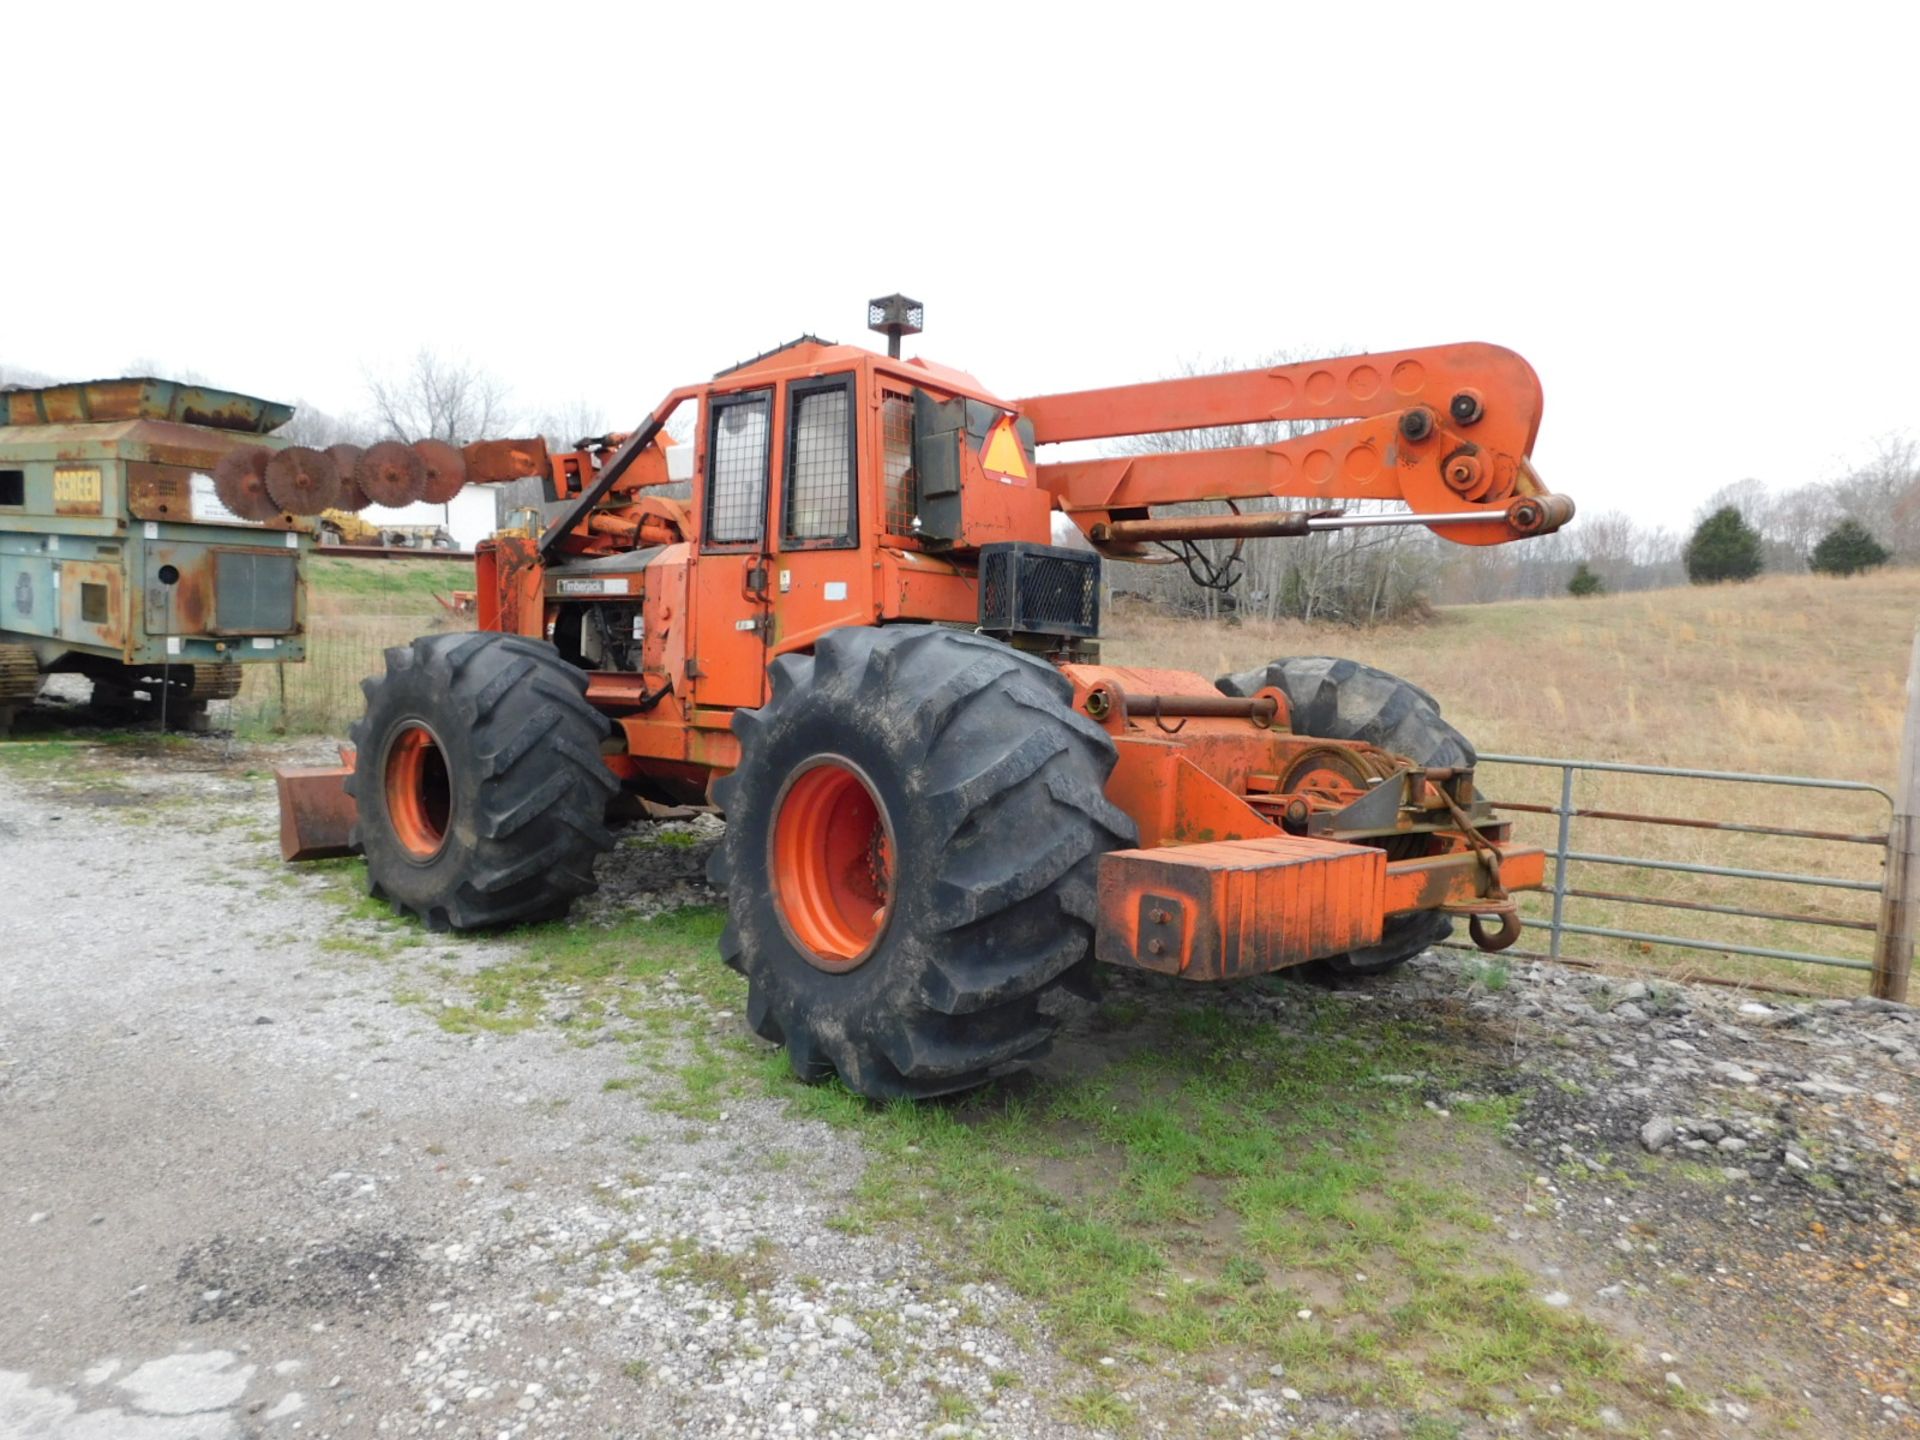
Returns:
point(1698, 222)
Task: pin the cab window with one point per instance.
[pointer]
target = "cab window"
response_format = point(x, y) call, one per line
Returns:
point(896, 461)
point(820, 463)
point(737, 450)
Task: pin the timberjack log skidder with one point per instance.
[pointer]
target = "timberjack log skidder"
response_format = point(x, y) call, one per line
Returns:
point(857, 641)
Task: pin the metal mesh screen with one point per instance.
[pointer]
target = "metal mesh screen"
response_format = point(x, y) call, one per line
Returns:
point(253, 591)
point(1039, 590)
point(737, 471)
point(896, 452)
point(996, 590)
point(819, 467)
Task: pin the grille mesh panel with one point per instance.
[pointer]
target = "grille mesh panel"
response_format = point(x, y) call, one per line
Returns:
point(896, 449)
point(737, 488)
point(1039, 590)
point(819, 481)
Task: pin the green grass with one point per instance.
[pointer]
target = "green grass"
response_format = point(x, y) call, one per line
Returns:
point(735, 1275)
point(1102, 1409)
point(673, 839)
point(1177, 1206)
point(1184, 1205)
point(610, 973)
point(385, 585)
point(953, 1406)
point(1492, 975)
point(73, 758)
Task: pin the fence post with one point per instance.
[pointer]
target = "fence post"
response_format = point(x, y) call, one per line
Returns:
point(1900, 897)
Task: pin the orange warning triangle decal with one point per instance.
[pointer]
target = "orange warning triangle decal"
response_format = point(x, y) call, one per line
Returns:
point(1002, 452)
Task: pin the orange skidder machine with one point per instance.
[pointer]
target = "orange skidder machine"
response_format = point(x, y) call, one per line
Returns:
point(858, 642)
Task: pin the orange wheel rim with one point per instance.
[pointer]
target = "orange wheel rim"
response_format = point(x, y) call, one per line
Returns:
point(832, 863)
point(419, 794)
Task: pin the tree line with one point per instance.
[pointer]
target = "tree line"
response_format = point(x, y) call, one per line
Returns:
point(433, 397)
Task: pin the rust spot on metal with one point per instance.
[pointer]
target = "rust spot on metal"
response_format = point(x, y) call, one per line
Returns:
point(240, 480)
point(446, 470)
point(390, 473)
point(302, 481)
point(346, 459)
point(493, 461)
point(1736, 826)
point(316, 813)
point(97, 402)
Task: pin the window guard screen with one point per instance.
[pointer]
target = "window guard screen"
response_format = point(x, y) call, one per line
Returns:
point(896, 461)
point(737, 469)
point(819, 499)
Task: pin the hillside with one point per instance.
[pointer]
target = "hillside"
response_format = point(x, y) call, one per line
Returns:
point(347, 585)
point(1789, 674)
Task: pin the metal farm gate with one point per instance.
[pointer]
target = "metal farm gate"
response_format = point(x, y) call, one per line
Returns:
point(1820, 869)
point(1581, 867)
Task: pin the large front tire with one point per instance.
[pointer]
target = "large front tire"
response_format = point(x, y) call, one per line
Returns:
point(478, 780)
point(910, 854)
point(1344, 700)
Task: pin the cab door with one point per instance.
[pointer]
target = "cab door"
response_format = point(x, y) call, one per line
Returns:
point(822, 578)
point(728, 660)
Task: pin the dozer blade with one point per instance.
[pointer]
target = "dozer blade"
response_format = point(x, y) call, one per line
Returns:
point(316, 813)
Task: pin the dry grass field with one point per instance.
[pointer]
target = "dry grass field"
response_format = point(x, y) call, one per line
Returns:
point(1791, 675)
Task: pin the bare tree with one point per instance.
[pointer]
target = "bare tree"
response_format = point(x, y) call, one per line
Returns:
point(1884, 495)
point(315, 427)
point(1748, 496)
point(1607, 543)
point(160, 369)
point(566, 426)
point(439, 399)
point(1356, 576)
point(19, 377)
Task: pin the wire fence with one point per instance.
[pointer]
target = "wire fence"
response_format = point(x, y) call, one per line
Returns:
point(321, 695)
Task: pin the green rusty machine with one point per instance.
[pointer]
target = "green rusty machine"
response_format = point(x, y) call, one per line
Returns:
point(119, 560)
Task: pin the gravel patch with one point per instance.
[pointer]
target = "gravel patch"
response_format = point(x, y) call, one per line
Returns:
point(249, 1194)
point(241, 1180)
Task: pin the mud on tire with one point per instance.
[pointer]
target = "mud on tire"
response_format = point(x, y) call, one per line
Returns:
point(477, 774)
point(1344, 700)
point(984, 796)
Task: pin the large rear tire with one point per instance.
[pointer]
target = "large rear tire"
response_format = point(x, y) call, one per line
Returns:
point(481, 793)
point(1344, 700)
point(910, 855)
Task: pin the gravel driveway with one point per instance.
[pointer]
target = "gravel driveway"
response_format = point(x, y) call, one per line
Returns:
point(247, 1194)
point(250, 1190)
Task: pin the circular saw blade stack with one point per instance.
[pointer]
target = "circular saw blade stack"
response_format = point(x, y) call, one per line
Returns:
point(259, 484)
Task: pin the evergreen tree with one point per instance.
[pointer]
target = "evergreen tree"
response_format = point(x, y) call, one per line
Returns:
point(1847, 549)
point(1585, 582)
point(1724, 547)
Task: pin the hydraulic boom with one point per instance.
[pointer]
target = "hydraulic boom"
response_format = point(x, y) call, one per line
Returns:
point(1446, 430)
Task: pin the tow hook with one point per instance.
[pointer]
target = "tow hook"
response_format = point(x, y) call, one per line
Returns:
point(1509, 931)
point(1496, 903)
